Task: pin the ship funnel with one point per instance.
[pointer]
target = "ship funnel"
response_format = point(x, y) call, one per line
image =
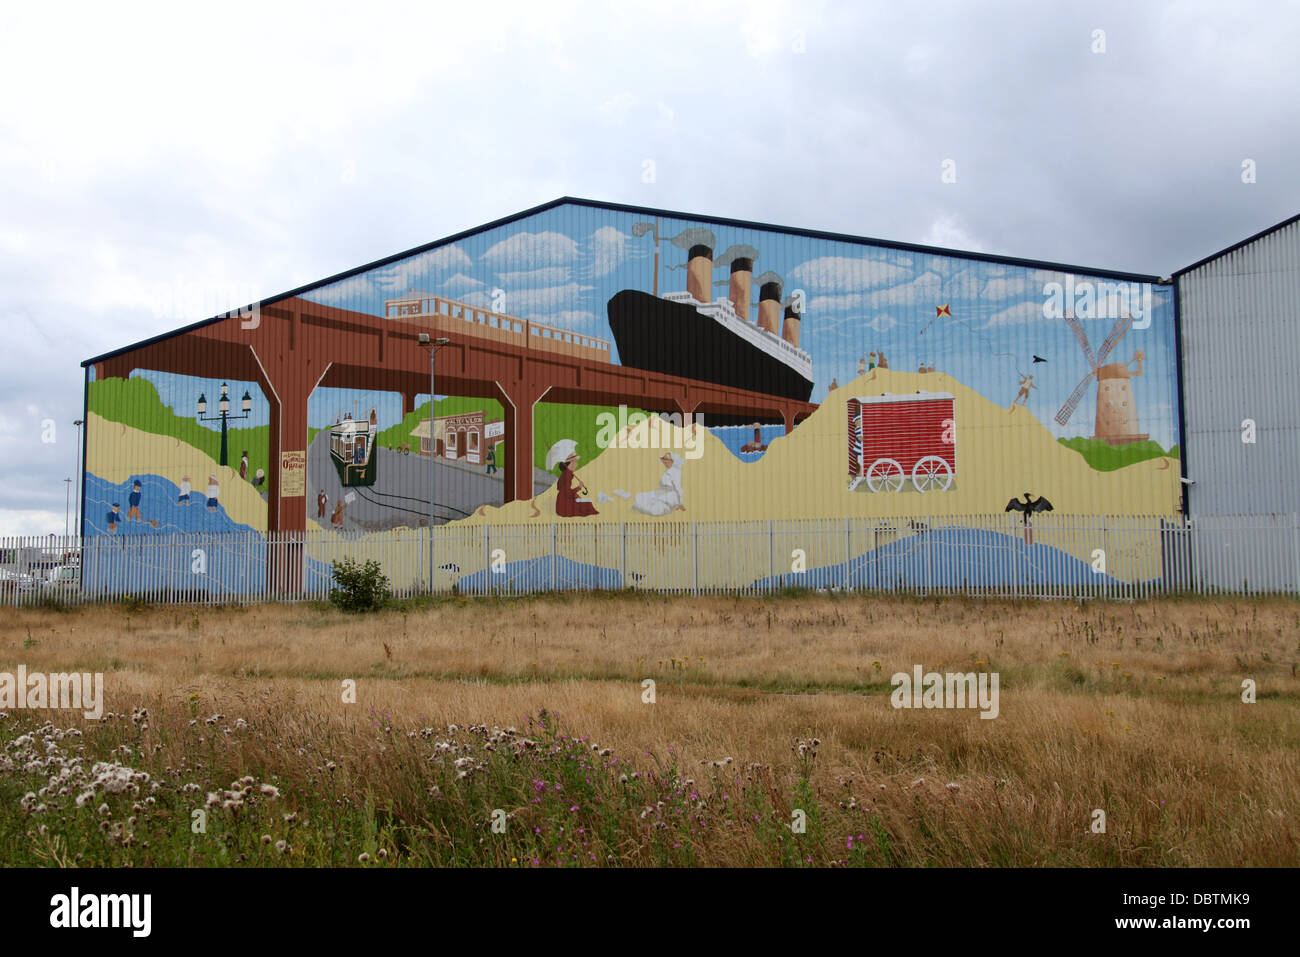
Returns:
point(699, 273)
point(769, 307)
point(742, 272)
point(790, 329)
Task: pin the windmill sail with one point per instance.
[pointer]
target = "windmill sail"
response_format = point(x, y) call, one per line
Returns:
point(1079, 334)
point(1073, 401)
point(1116, 334)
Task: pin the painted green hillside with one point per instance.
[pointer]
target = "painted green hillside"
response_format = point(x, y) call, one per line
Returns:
point(135, 402)
point(1104, 457)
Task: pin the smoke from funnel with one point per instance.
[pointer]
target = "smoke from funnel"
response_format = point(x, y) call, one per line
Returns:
point(736, 252)
point(695, 236)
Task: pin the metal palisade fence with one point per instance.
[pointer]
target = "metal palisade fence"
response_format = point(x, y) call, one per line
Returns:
point(995, 555)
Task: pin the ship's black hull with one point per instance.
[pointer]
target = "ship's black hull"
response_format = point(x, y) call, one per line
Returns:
point(674, 339)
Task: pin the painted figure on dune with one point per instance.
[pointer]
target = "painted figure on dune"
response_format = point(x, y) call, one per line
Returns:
point(571, 499)
point(568, 504)
point(668, 496)
point(214, 489)
point(184, 497)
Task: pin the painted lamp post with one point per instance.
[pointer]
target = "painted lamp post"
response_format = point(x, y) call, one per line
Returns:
point(223, 414)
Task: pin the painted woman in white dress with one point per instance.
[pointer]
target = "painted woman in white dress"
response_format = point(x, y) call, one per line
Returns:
point(668, 496)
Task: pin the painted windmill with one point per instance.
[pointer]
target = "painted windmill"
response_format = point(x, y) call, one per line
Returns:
point(1117, 421)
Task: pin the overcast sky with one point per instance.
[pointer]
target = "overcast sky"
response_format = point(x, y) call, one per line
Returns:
point(162, 163)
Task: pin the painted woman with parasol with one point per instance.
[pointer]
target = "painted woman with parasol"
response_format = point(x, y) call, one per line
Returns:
point(569, 488)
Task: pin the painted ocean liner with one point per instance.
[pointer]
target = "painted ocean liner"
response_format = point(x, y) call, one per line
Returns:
point(691, 335)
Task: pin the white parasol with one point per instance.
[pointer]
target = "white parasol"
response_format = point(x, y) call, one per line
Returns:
point(560, 451)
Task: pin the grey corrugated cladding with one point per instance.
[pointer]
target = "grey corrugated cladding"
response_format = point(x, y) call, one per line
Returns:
point(1241, 361)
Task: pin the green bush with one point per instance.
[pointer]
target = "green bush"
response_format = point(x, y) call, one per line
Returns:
point(359, 587)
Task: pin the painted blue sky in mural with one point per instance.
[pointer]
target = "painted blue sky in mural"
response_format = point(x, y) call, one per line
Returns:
point(859, 299)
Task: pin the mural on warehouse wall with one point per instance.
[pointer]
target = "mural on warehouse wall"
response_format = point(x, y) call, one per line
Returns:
point(615, 366)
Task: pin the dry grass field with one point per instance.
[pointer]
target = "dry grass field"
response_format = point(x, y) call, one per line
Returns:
point(762, 706)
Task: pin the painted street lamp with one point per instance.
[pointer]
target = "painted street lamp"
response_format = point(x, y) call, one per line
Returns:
point(426, 340)
point(223, 414)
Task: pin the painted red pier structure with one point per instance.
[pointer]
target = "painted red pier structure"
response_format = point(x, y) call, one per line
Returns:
point(293, 346)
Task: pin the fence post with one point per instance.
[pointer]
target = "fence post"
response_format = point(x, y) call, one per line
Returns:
point(929, 561)
point(771, 557)
point(695, 531)
point(555, 548)
point(624, 557)
point(848, 550)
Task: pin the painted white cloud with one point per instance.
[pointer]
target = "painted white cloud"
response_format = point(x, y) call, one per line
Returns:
point(533, 278)
point(542, 249)
point(460, 284)
point(608, 251)
point(418, 269)
point(842, 274)
point(416, 272)
point(534, 302)
point(1019, 314)
point(883, 323)
point(1005, 288)
point(352, 289)
point(926, 289)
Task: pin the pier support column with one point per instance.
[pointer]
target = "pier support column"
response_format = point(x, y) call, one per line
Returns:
point(286, 380)
point(787, 416)
point(518, 400)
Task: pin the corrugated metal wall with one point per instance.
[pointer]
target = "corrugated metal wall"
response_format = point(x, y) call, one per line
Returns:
point(527, 304)
point(1241, 365)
